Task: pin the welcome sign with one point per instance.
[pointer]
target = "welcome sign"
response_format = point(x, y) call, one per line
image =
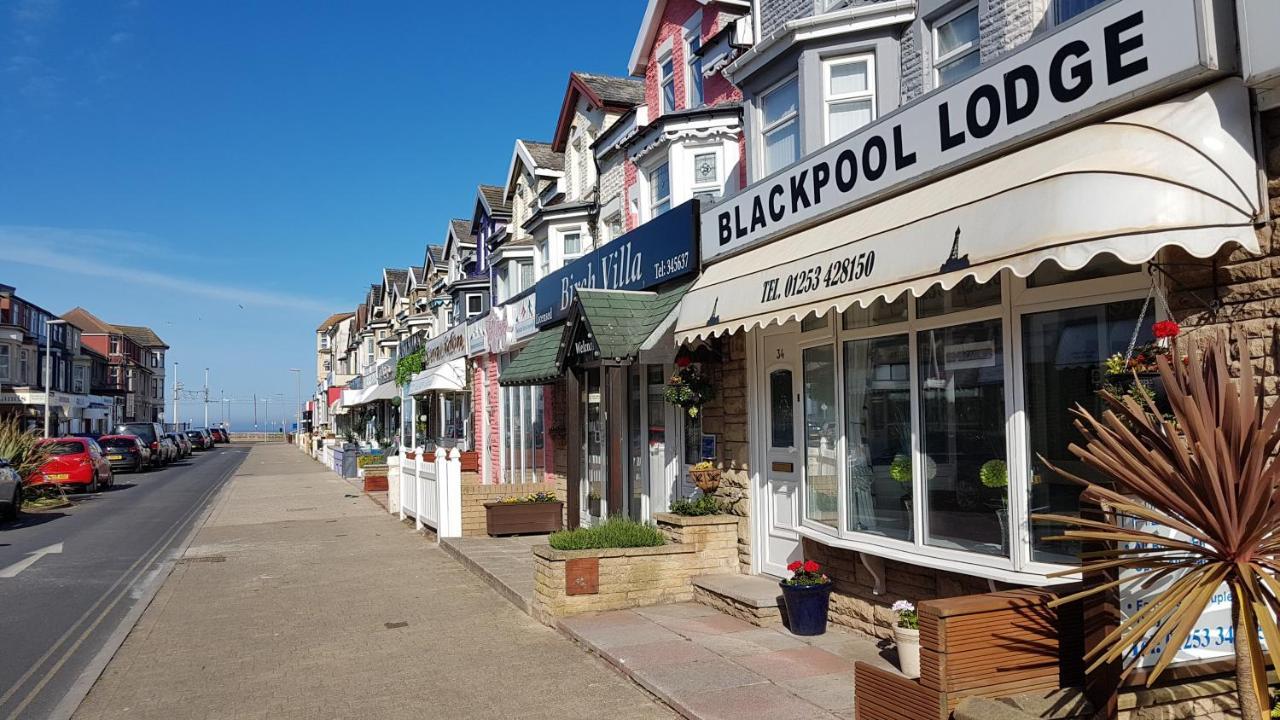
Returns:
point(663, 249)
point(1124, 50)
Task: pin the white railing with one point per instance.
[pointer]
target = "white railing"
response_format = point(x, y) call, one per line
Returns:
point(431, 490)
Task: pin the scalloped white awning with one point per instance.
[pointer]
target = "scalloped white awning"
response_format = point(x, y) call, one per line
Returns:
point(1181, 173)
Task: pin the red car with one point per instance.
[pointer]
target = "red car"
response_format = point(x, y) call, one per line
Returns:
point(74, 461)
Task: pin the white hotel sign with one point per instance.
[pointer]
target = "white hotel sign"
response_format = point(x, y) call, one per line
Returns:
point(1124, 50)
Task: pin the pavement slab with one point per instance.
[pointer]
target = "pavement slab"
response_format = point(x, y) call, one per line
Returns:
point(324, 606)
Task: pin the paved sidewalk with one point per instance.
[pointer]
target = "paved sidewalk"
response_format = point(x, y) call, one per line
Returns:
point(710, 666)
point(299, 598)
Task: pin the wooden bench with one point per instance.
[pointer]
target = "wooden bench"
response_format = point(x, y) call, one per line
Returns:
point(990, 645)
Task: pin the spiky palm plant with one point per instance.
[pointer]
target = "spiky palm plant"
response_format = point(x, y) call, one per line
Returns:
point(1207, 473)
point(21, 448)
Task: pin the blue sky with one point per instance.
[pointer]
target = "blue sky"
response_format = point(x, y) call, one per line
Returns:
point(230, 172)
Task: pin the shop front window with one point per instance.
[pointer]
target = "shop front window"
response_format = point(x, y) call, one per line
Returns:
point(962, 441)
point(877, 401)
point(1063, 352)
point(821, 436)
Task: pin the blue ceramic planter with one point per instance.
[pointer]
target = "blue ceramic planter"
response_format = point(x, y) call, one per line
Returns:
point(806, 607)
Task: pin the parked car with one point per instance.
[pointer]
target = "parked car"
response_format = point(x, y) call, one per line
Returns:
point(10, 491)
point(150, 434)
point(169, 449)
point(220, 435)
point(126, 452)
point(74, 461)
point(181, 441)
point(200, 439)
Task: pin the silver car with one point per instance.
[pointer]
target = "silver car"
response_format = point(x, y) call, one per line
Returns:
point(10, 491)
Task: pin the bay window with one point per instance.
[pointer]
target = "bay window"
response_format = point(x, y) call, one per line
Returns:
point(5, 362)
point(659, 190)
point(524, 276)
point(707, 186)
point(521, 437)
point(780, 124)
point(922, 420)
point(955, 45)
point(849, 96)
point(572, 245)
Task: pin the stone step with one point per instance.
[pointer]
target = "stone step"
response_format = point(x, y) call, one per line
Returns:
point(753, 598)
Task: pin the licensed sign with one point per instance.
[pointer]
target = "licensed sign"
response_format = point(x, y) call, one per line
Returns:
point(1088, 68)
point(663, 249)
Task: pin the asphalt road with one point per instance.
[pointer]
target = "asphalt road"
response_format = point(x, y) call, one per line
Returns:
point(69, 579)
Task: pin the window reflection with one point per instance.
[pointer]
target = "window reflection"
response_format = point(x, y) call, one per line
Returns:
point(878, 435)
point(782, 433)
point(961, 377)
point(821, 435)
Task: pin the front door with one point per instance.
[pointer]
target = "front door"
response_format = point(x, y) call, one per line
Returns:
point(594, 461)
point(782, 462)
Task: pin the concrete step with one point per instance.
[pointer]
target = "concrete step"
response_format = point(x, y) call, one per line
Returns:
point(753, 598)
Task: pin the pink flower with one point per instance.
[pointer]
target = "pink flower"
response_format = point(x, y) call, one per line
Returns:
point(793, 567)
point(811, 566)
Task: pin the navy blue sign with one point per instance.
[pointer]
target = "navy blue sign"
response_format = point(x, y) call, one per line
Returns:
point(663, 249)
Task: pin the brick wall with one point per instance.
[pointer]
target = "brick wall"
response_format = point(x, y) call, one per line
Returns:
point(475, 495)
point(632, 577)
point(1234, 289)
point(1006, 24)
point(726, 417)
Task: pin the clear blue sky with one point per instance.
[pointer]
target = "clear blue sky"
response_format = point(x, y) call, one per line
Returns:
point(165, 163)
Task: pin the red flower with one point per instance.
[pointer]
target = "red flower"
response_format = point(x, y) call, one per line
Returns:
point(682, 361)
point(1166, 329)
point(795, 566)
point(811, 566)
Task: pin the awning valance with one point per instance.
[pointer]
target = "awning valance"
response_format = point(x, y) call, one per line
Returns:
point(450, 375)
point(537, 362)
point(385, 391)
point(1181, 173)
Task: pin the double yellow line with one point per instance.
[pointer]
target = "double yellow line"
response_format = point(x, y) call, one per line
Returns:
point(145, 560)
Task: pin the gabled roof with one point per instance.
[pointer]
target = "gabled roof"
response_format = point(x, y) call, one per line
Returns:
point(395, 279)
point(619, 321)
point(418, 274)
point(88, 322)
point(649, 30)
point(459, 233)
point(434, 256)
point(546, 163)
point(143, 335)
point(494, 199)
point(615, 93)
point(332, 320)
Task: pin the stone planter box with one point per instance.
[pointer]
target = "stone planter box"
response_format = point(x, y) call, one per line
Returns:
point(375, 478)
point(523, 518)
point(570, 582)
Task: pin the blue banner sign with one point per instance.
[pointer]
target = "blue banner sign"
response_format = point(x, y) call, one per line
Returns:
point(663, 249)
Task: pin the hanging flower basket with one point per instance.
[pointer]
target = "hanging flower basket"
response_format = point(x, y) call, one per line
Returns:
point(706, 476)
point(688, 388)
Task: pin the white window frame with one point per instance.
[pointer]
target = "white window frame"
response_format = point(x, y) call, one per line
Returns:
point(613, 227)
point(24, 367)
point(6, 362)
point(791, 117)
point(958, 53)
point(663, 78)
point(650, 202)
point(717, 186)
point(522, 266)
point(828, 99)
point(543, 251)
point(564, 247)
point(479, 302)
point(692, 77)
point(1054, 15)
point(1017, 300)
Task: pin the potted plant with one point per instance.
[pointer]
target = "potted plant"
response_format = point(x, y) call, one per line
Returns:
point(906, 635)
point(706, 476)
point(994, 475)
point(688, 388)
point(807, 595)
point(538, 512)
point(593, 503)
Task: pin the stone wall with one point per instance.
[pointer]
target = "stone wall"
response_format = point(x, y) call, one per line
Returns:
point(632, 577)
point(475, 495)
point(726, 417)
point(856, 606)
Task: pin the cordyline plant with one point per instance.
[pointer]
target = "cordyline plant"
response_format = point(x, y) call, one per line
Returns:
point(1204, 470)
point(22, 448)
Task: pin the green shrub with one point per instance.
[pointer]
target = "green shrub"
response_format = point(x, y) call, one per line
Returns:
point(616, 532)
point(702, 505)
point(370, 460)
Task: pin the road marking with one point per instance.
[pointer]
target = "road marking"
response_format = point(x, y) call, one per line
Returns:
point(14, 569)
point(149, 556)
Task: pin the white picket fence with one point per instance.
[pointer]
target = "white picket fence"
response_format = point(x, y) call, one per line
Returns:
point(431, 491)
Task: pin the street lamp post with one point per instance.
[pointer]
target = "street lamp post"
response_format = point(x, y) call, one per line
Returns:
point(48, 368)
point(297, 399)
point(176, 389)
point(206, 397)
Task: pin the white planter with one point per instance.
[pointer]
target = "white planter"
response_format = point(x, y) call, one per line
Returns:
point(908, 642)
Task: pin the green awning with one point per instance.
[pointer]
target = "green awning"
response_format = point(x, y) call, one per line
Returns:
point(536, 363)
point(619, 322)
